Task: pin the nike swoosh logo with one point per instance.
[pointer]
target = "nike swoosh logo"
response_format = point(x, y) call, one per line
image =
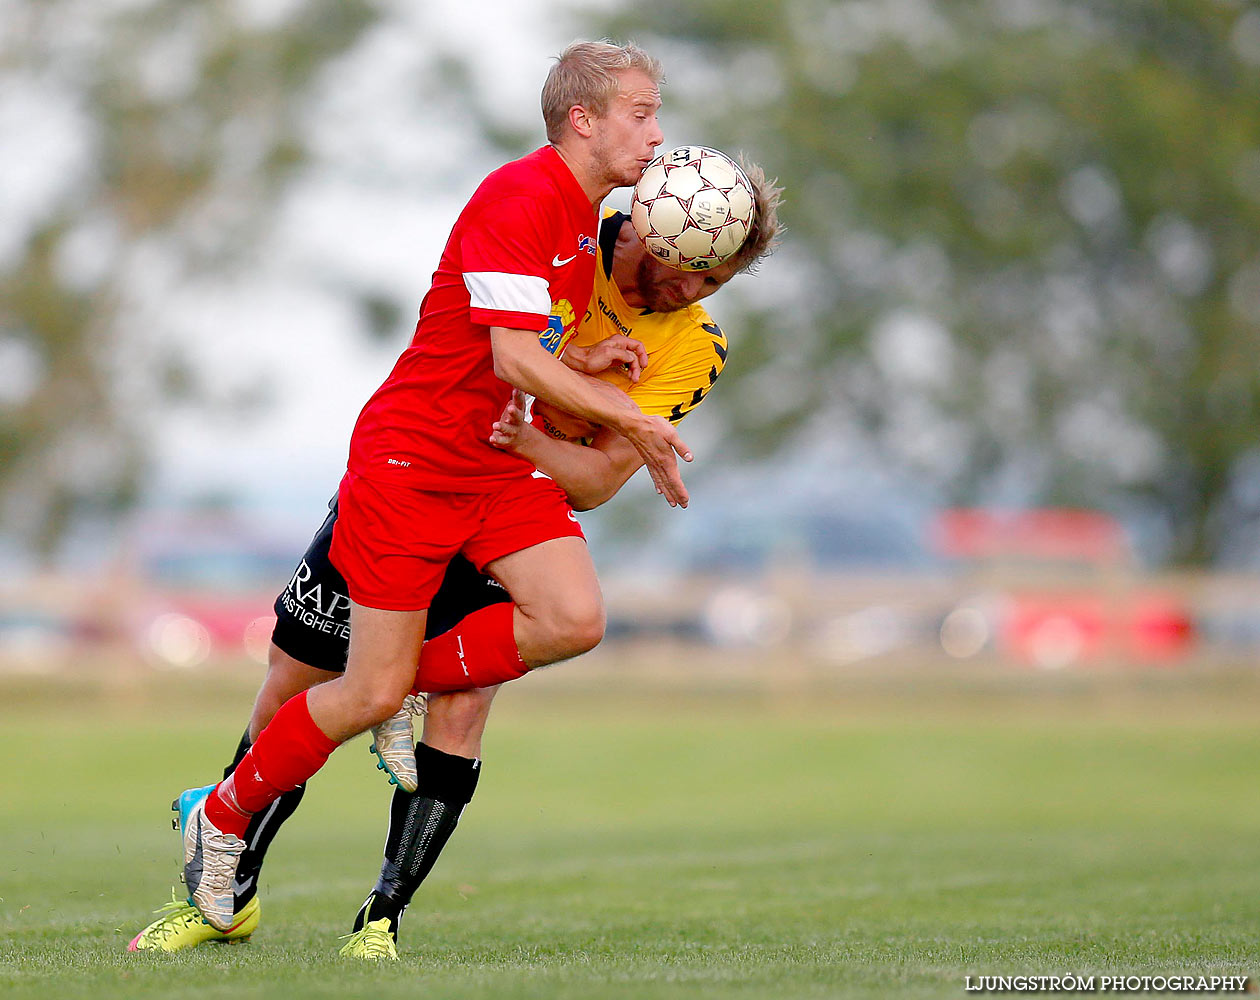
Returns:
point(238, 886)
point(192, 871)
point(557, 262)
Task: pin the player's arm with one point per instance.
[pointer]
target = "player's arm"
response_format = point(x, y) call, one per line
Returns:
point(521, 361)
point(594, 473)
point(588, 475)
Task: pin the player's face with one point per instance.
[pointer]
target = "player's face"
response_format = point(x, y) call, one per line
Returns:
point(627, 136)
point(664, 289)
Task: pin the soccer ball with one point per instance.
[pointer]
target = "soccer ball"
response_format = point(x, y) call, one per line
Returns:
point(692, 207)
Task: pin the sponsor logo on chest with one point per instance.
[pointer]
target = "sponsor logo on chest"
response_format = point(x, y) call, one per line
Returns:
point(585, 244)
point(560, 328)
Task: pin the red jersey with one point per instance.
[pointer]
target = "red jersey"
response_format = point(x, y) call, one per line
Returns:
point(521, 256)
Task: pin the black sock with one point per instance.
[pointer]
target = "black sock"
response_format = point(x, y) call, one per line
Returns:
point(420, 824)
point(242, 749)
point(262, 830)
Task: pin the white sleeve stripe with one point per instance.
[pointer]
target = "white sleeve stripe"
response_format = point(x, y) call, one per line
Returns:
point(502, 292)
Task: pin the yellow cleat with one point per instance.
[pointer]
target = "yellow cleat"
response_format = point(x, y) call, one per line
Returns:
point(182, 926)
point(374, 942)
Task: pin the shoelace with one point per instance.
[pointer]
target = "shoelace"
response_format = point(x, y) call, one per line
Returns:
point(174, 919)
point(413, 705)
point(219, 859)
point(370, 941)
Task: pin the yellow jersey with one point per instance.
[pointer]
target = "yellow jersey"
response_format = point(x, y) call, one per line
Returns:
point(686, 350)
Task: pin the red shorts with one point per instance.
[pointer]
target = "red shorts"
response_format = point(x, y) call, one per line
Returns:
point(392, 544)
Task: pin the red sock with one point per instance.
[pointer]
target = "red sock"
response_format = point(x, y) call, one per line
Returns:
point(477, 652)
point(287, 752)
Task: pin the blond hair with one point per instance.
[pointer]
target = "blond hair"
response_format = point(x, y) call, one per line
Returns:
point(585, 74)
point(765, 229)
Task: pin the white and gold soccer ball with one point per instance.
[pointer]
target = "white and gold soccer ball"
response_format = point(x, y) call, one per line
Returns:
point(693, 207)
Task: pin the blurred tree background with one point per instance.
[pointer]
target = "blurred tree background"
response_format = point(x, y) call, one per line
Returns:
point(1025, 240)
point(172, 128)
point(1023, 254)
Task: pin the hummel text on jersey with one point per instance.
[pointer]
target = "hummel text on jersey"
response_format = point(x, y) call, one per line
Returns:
point(612, 316)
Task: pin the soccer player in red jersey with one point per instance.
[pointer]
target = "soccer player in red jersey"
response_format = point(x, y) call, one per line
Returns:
point(423, 482)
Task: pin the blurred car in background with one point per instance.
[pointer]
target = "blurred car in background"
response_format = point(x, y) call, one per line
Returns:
point(1055, 588)
point(840, 583)
point(1045, 588)
point(190, 588)
point(44, 623)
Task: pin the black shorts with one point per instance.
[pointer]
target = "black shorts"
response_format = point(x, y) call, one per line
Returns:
point(313, 610)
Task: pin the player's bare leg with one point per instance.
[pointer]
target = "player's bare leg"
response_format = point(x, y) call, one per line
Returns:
point(285, 678)
point(376, 678)
point(380, 670)
point(559, 609)
point(456, 721)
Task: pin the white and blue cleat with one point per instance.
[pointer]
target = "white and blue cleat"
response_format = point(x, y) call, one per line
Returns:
point(393, 742)
point(211, 858)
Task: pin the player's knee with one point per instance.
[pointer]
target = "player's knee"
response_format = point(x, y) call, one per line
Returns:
point(372, 703)
point(579, 626)
point(266, 705)
point(455, 716)
point(462, 708)
point(277, 688)
point(271, 696)
point(382, 704)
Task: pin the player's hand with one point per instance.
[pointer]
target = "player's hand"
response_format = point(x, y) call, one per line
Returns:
point(657, 441)
point(618, 349)
point(511, 427)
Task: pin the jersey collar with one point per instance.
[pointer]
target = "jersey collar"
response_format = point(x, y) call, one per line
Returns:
point(564, 176)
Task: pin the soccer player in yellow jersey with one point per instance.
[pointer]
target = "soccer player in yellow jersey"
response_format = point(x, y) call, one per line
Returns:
point(637, 298)
point(645, 333)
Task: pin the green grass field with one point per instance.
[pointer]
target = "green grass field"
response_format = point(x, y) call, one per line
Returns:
point(643, 843)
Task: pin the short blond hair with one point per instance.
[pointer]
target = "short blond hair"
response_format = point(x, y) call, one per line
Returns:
point(585, 74)
point(765, 229)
